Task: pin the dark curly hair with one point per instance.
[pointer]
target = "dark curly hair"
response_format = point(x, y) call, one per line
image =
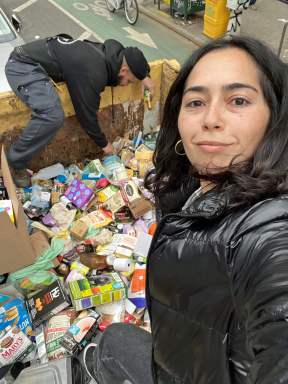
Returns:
point(264, 175)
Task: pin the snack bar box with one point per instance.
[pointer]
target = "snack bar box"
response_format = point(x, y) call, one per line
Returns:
point(101, 289)
point(48, 302)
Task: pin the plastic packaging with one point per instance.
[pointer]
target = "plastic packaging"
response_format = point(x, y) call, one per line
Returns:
point(43, 263)
point(73, 172)
point(76, 265)
point(64, 200)
point(114, 169)
point(122, 265)
point(112, 312)
point(49, 172)
point(39, 197)
point(63, 216)
point(150, 140)
point(54, 372)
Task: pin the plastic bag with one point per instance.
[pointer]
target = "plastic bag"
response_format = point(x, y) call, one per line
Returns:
point(42, 264)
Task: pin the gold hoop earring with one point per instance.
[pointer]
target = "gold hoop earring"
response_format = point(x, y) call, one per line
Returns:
point(175, 148)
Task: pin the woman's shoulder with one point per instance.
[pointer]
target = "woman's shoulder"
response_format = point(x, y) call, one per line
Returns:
point(263, 213)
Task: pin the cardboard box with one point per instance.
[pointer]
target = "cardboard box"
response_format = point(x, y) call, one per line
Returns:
point(143, 153)
point(55, 329)
point(78, 193)
point(142, 247)
point(6, 205)
point(139, 207)
point(14, 345)
point(13, 313)
point(130, 191)
point(105, 288)
point(16, 250)
point(81, 331)
point(46, 303)
point(79, 230)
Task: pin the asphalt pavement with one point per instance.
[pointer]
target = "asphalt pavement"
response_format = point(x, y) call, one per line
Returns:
point(265, 23)
point(91, 19)
point(157, 33)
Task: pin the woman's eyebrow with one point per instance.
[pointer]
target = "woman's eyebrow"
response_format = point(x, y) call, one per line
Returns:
point(231, 87)
point(228, 87)
point(196, 88)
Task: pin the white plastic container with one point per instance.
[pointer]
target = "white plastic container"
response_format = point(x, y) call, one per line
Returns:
point(54, 372)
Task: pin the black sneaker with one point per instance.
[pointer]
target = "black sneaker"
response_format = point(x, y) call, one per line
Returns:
point(21, 178)
point(89, 360)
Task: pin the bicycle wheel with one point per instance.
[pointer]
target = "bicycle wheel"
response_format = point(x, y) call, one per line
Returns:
point(110, 5)
point(131, 11)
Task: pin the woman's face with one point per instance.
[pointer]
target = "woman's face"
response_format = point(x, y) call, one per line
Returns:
point(223, 114)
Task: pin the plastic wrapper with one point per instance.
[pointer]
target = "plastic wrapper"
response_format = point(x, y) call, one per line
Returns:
point(63, 216)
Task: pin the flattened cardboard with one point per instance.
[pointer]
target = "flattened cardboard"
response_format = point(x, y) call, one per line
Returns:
point(16, 250)
point(39, 242)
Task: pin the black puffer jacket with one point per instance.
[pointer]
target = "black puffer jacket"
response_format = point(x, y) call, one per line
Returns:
point(217, 291)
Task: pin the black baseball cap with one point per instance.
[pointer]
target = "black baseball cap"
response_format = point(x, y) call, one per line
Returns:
point(137, 62)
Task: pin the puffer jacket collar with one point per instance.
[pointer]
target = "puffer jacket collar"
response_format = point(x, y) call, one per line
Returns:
point(214, 204)
point(210, 205)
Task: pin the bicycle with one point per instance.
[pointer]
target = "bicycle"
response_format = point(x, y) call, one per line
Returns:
point(130, 8)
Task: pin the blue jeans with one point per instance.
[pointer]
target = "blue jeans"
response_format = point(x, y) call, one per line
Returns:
point(252, 2)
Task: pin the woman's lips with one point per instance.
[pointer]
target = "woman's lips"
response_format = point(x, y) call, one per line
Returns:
point(211, 146)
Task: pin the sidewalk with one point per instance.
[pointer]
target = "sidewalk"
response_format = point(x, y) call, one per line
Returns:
point(262, 23)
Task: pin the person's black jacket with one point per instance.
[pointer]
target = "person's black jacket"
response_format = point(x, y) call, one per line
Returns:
point(217, 293)
point(86, 67)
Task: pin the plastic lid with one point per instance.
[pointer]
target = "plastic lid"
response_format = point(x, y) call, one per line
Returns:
point(56, 372)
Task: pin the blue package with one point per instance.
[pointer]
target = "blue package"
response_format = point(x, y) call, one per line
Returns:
point(13, 312)
point(92, 176)
point(27, 189)
point(60, 179)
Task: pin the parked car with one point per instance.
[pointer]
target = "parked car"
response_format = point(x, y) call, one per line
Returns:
point(9, 38)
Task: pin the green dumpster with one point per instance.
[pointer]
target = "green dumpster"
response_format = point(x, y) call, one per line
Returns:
point(186, 7)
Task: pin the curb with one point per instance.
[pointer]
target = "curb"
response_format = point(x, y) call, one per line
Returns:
point(171, 26)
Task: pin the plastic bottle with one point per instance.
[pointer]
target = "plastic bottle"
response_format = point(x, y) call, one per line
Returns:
point(147, 98)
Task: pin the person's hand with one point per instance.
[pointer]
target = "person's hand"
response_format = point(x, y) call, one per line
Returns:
point(149, 84)
point(109, 149)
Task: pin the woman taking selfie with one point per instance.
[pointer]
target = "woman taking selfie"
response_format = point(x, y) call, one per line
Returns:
point(217, 274)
